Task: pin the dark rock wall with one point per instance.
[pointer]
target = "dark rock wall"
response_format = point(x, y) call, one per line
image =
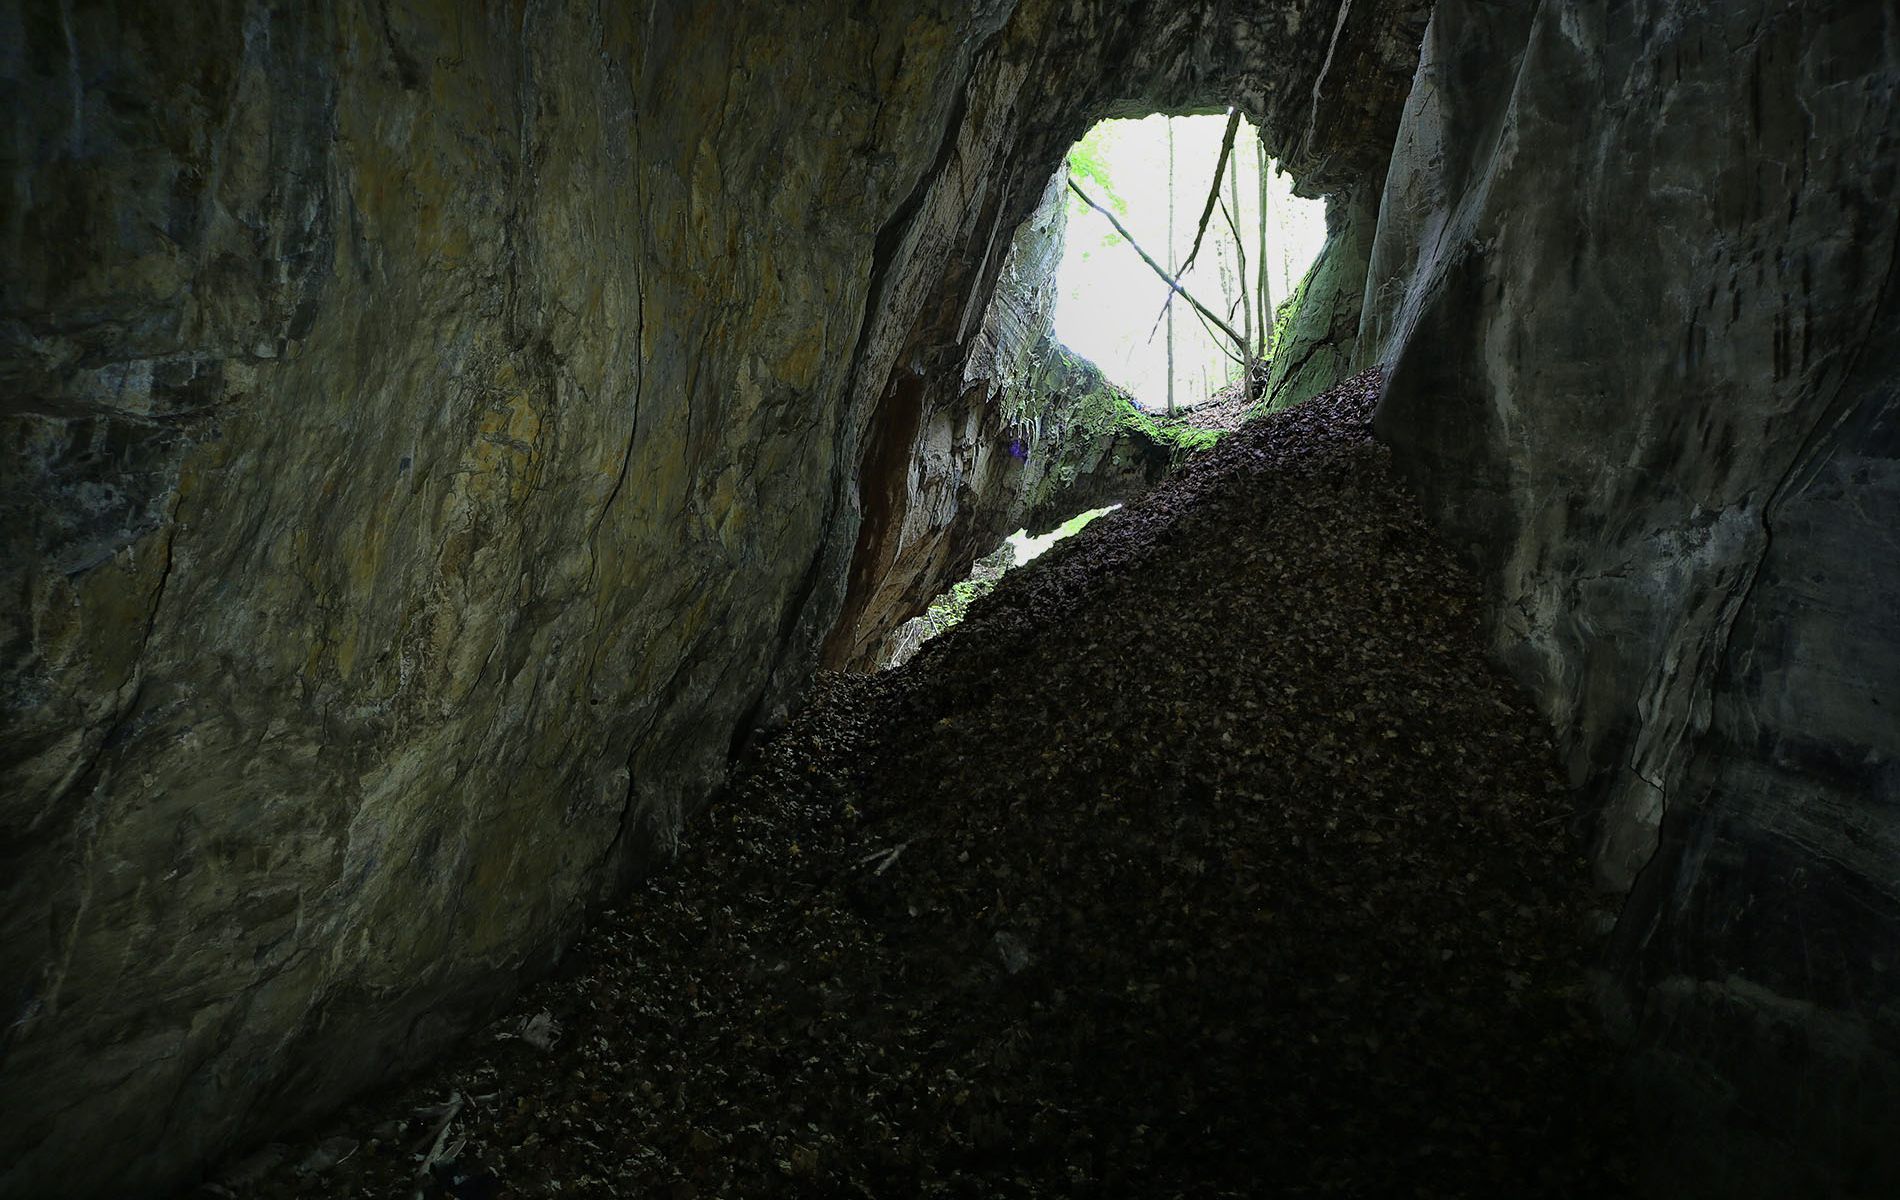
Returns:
point(1634, 277)
point(427, 436)
point(938, 489)
point(1035, 436)
point(1089, 447)
point(1084, 446)
point(431, 439)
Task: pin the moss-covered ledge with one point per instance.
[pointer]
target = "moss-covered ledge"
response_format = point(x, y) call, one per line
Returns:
point(1084, 443)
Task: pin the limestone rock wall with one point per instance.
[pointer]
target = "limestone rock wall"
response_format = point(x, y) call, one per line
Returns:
point(1083, 445)
point(433, 438)
point(938, 486)
point(1634, 278)
point(1320, 344)
point(428, 431)
point(1035, 435)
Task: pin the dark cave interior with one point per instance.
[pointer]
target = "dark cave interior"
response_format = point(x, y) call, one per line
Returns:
point(438, 435)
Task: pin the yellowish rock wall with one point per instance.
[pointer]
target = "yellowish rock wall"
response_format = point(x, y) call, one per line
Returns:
point(431, 437)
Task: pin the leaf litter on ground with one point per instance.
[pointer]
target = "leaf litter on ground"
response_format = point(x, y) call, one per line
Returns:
point(1209, 856)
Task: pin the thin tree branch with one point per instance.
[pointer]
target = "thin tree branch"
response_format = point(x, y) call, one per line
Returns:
point(1173, 282)
point(1240, 270)
point(1164, 312)
point(1231, 356)
point(1213, 193)
point(1207, 210)
point(1241, 253)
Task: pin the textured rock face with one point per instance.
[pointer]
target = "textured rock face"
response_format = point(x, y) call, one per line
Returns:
point(1321, 341)
point(1081, 445)
point(425, 439)
point(1032, 439)
point(432, 434)
point(1634, 273)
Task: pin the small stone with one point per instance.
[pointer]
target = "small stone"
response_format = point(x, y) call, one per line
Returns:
point(541, 1031)
point(329, 1152)
point(1014, 953)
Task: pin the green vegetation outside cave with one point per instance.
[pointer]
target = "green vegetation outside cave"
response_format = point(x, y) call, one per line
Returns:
point(1111, 411)
point(949, 608)
point(1161, 197)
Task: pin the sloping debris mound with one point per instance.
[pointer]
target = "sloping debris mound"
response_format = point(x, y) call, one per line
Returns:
point(1224, 411)
point(1206, 858)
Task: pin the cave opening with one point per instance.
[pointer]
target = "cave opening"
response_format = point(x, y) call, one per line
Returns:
point(1083, 372)
point(436, 443)
point(1202, 198)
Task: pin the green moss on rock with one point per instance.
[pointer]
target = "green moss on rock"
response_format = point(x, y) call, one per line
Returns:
point(1084, 441)
point(1316, 331)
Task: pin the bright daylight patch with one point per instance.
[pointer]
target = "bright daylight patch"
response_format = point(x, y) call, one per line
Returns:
point(1154, 175)
point(949, 607)
point(1026, 548)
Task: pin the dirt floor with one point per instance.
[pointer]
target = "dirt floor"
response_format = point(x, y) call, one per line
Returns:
point(1208, 857)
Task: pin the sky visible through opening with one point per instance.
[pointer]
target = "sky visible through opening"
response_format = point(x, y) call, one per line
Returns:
point(1107, 298)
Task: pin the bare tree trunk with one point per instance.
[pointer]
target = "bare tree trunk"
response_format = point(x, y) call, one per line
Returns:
point(1266, 278)
point(1169, 307)
point(1240, 275)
